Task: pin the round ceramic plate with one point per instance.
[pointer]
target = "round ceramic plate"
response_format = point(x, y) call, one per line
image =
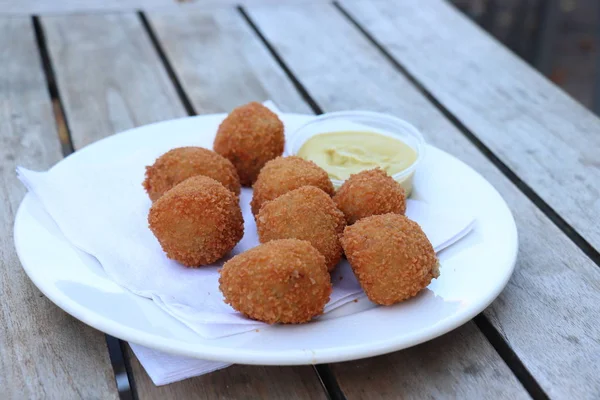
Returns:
point(473, 271)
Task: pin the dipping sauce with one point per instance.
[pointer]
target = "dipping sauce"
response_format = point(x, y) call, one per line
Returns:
point(344, 153)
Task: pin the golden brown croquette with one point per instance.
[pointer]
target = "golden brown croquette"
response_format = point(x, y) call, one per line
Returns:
point(181, 163)
point(307, 213)
point(391, 257)
point(368, 193)
point(197, 222)
point(283, 281)
point(250, 136)
point(284, 174)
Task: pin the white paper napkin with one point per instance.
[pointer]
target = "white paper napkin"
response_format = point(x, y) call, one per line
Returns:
point(164, 368)
point(102, 210)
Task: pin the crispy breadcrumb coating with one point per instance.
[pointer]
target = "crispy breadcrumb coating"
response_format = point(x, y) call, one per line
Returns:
point(368, 193)
point(307, 213)
point(250, 136)
point(197, 222)
point(178, 164)
point(283, 281)
point(284, 174)
point(391, 257)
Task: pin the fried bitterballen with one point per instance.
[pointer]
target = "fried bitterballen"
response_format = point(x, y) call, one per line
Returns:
point(285, 174)
point(370, 192)
point(197, 222)
point(391, 257)
point(250, 136)
point(179, 164)
point(307, 213)
point(283, 281)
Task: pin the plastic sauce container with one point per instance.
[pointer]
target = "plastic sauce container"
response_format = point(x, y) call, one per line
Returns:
point(368, 122)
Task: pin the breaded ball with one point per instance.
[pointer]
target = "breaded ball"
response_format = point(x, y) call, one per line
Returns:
point(250, 136)
point(283, 281)
point(284, 174)
point(367, 193)
point(307, 213)
point(177, 165)
point(391, 257)
point(197, 222)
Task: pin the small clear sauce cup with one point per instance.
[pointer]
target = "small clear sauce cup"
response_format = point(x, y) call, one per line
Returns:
point(364, 121)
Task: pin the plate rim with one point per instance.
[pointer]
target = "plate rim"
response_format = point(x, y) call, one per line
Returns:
point(256, 357)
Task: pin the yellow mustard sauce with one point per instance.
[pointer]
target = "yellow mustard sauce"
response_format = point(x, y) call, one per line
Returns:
point(344, 153)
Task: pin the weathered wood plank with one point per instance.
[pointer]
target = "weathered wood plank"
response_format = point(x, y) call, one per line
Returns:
point(225, 38)
point(453, 371)
point(46, 7)
point(109, 75)
point(545, 312)
point(44, 352)
point(42, 7)
point(237, 382)
point(550, 141)
point(221, 62)
point(131, 88)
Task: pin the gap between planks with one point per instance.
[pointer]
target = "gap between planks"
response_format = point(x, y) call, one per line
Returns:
point(120, 366)
point(299, 87)
point(57, 107)
point(488, 330)
point(183, 96)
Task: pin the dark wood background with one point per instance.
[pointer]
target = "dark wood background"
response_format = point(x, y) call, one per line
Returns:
point(560, 38)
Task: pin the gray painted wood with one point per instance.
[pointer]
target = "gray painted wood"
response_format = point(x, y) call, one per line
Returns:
point(109, 76)
point(453, 372)
point(221, 62)
point(236, 382)
point(44, 353)
point(549, 140)
point(225, 40)
point(42, 7)
point(46, 7)
point(118, 83)
point(546, 313)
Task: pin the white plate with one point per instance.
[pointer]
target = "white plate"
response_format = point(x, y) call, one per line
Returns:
point(473, 272)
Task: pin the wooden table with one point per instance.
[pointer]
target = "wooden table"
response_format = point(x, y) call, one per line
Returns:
point(79, 71)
